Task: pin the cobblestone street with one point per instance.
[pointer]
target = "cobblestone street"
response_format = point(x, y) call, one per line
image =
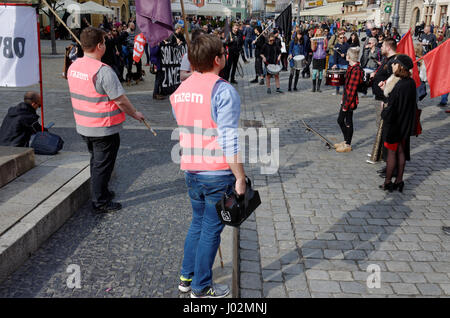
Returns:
point(321, 223)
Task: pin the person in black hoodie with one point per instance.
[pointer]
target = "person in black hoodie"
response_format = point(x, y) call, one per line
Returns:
point(21, 122)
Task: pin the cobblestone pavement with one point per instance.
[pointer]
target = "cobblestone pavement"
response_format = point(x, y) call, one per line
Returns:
point(322, 221)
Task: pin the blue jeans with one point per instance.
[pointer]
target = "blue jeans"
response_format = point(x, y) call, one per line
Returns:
point(444, 98)
point(203, 237)
point(248, 48)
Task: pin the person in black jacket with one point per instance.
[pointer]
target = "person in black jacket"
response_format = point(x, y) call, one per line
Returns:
point(21, 122)
point(399, 119)
point(234, 43)
point(259, 43)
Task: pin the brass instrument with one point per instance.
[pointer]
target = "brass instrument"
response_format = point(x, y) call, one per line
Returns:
point(375, 156)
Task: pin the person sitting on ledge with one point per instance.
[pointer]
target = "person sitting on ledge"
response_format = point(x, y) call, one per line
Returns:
point(21, 122)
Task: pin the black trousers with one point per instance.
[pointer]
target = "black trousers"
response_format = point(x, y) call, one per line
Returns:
point(233, 60)
point(103, 152)
point(345, 121)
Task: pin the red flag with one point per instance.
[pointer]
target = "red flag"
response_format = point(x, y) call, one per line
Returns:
point(139, 45)
point(438, 69)
point(406, 46)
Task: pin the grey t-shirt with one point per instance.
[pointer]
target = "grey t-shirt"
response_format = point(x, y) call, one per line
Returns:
point(106, 83)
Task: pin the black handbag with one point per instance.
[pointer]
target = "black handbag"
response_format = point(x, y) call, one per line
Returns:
point(46, 143)
point(233, 209)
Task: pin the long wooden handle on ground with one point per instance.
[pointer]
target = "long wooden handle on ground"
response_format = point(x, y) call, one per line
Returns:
point(61, 21)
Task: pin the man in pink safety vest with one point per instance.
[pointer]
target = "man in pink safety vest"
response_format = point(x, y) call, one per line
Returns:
point(99, 106)
point(207, 111)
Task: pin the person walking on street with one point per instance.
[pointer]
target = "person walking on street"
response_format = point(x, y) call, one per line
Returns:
point(99, 107)
point(234, 43)
point(259, 44)
point(205, 102)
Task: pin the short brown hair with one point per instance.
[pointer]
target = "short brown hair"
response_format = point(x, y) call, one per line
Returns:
point(402, 72)
point(391, 43)
point(203, 50)
point(90, 37)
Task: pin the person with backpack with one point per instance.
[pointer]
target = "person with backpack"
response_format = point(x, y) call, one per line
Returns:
point(353, 78)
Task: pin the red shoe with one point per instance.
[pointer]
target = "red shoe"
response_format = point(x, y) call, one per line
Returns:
point(448, 111)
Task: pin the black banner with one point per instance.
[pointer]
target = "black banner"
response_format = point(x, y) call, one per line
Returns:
point(171, 56)
point(284, 22)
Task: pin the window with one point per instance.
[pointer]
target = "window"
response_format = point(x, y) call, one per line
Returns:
point(443, 15)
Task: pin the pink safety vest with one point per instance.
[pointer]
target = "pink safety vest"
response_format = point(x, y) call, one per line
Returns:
point(92, 111)
point(198, 131)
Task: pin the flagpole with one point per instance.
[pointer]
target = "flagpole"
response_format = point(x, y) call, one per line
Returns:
point(40, 71)
point(188, 41)
point(61, 21)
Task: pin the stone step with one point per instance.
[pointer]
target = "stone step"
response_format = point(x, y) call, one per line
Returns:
point(36, 204)
point(14, 161)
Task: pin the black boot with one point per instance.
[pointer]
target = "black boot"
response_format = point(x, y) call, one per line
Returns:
point(296, 80)
point(319, 81)
point(255, 80)
point(314, 86)
point(290, 83)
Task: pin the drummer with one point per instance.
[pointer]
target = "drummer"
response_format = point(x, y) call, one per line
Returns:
point(271, 54)
point(340, 52)
point(296, 48)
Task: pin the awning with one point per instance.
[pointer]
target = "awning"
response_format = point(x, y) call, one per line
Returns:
point(62, 5)
point(94, 8)
point(214, 10)
point(189, 7)
point(330, 9)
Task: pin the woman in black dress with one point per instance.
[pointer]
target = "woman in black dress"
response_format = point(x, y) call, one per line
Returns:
point(398, 119)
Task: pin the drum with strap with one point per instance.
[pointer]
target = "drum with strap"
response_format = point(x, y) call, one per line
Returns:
point(274, 69)
point(335, 77)
point(299, 62)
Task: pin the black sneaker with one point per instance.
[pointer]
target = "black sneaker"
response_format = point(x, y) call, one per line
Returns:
point(261, 82)
point(108, 207)
point(233, 82)
point(279, 90)
point(254, 81)
point(214, 291)
point(185, 284)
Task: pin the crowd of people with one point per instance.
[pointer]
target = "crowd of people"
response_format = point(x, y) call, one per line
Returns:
point(209, 69)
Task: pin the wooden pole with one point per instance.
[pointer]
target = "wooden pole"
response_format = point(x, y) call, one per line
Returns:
point(186, 33)
point(61, 21)
point(40, 72)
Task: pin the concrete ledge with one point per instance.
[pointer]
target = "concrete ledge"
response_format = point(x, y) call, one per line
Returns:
point(25, 237)
point(14, 161)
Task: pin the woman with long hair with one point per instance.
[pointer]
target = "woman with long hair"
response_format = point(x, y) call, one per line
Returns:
point(398, 119)
point(296, 47)
point(353, 40)
point(319, 47)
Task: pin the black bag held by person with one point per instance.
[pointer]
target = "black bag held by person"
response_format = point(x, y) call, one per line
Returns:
point(234, 209)
point(46, 143)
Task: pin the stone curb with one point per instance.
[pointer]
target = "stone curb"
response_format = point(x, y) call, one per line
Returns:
point(17, 245)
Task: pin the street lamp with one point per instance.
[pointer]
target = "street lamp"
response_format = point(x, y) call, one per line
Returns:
point(396, 16)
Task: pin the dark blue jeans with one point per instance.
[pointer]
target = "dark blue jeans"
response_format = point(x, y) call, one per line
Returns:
point(203, 237)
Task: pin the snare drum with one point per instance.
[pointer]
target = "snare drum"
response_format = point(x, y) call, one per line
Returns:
point(274, 69)
point(335, 77)
point(299, 62)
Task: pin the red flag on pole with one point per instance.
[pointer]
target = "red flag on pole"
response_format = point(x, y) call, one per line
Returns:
point(406, 46)
point(438, 69)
